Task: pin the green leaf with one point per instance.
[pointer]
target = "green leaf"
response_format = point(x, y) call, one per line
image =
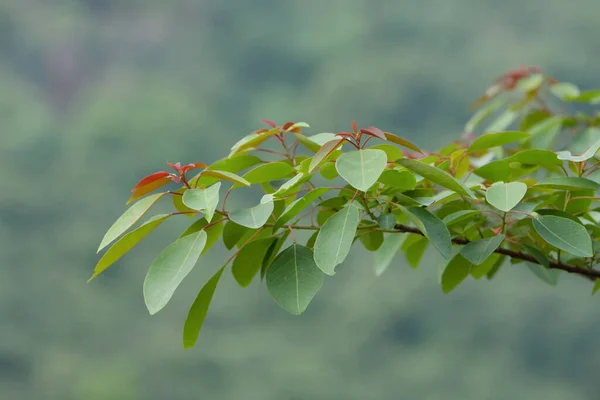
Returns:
point(568, 183)
point(414, 247)
point(126, 243)
point(293, 279)
point(328, 171)
point(224, 175)
point(393, 153)
point(253, 217)
point(565, 90)
point(232, 233)
point(292, 184)
point(436, 175)
point(495, 171)
point(402, 142)
point(197, 313)
point(335, 238)
point(481, 270)
point(386, 221)
point(503, 121)
point(596, 287)
point(205, 200)
point(273, 251)
point(307, 142)
point(297, 206)
point(177, 201)
point(269, 172)
point(386, 252)
point(398, 180)
point(505, 196)
point(456, 271)
point(322, 138)
point(371, 240)
point(564, 234)
point(490, 140)
point(586, 155)
point(482, 114)
point(213, 232)
point(545, 158)
point(459, 216)
point(249, 260)
point(235, 164)
point(361, 168)
point(129, 217)
point(479, 251)
point(252, 140)
point(550, 276)
point(323, 153)
point(169, 269)
point(590, 96)
point(435, 230)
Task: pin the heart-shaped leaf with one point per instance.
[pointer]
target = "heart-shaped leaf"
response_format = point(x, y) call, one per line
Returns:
point(564, 234)
point(293, 279)
point(505, 196)
point(169, 269)
point(361, 168)
point(335, 238)
point(205, 200)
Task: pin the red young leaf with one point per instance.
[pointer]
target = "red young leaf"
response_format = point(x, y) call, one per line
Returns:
point(345, 134)
point(269, 122)
point(374, 132)
point(188, 167)
point(149, 179)
point(144, 190)
point(176, 167)
point(355, 129)
point(286, 125)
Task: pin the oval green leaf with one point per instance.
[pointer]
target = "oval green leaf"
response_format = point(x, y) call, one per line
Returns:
point(478, 251)
point(490, 140)
point(586, 155)
point(269, 172)
point(297, 206)
point(568, 183)
point(436, 175)
point(226, 176)
point(505, 196)
point(249, 260)
point(564, 234)
point(435, 230)
point(197, 313)
point(126, 243)
point(293, 279)
point(386, 252)
point(323, 153)
point(456, 271)
point(129, 217)
point(169, 269)
point(335, 238)
point(402, 142)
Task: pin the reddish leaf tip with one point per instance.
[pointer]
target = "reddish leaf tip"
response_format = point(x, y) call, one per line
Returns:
point(272, 124)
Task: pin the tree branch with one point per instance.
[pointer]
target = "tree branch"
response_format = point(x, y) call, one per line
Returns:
point(591, 274)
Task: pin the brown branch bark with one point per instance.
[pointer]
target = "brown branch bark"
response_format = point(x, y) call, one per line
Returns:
point(591, 274)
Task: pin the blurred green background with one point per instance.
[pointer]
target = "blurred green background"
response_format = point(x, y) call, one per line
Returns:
point(97, 93)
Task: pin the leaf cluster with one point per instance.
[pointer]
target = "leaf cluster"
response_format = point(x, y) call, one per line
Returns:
point(518, 188)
